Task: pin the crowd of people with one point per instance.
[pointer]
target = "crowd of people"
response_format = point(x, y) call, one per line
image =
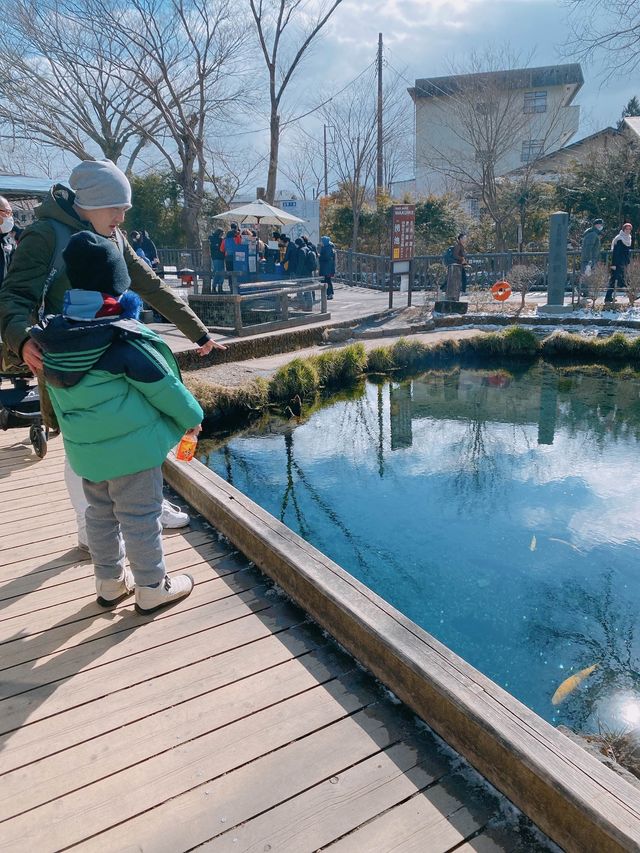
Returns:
point(287, 258)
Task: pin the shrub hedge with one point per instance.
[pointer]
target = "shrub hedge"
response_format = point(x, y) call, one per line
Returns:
point(342, 367)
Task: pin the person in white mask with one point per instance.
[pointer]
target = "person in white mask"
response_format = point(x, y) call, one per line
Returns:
point(6, 246)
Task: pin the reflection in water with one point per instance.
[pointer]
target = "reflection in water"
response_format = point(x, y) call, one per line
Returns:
point(432, 491)
point(548, 405)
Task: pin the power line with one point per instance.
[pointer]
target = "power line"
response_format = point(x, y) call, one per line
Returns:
point(308, 112)
point(416, 88)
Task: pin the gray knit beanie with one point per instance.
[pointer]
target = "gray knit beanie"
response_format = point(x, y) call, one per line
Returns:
point(99, 184)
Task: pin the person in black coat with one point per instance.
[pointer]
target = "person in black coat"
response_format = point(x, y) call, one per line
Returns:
point(217, 259)
point(327, 264)
point(290, 259)
point(620, 260)
point(301, 259)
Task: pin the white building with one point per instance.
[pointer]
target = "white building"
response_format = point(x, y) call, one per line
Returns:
point(510, 117)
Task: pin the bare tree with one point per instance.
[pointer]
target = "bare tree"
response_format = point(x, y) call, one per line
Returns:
point(612, 29)
point(275, 21)
point(398, 149)
point(594, 283)
point(59, 89)
point(18, 157)
point(352, 150)
point(522, 278)
point(632, 281)
point(229, 172)
point(183, 56)
point(303, 165)
point(352, 119)
point(483, 114)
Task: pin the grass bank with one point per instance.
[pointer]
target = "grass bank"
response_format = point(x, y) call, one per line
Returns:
point(338, 368)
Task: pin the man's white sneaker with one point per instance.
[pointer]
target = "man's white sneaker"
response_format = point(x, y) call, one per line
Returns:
point(111, 591)
point(173, 517)
point(152, 598)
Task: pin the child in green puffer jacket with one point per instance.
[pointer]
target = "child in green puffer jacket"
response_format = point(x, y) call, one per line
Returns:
point(121, 405)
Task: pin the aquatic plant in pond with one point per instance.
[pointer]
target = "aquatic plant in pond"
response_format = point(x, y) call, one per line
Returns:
point(496, 510)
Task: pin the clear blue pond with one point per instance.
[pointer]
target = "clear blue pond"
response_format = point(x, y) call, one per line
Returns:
point(499, 512)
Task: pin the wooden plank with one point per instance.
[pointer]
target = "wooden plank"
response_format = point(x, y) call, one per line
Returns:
point(221, 705)
point(22, 454)
point(37, 582)
point(240, 771)
point(445, 814)
point(71, 583)
point(25, 463)
point(48, 697)
point(25, 685)
point(53, 545)
point(96, 808)
point(48, 517)
point(486, 843)
point(63, 552)
point(187, 669)
point(46, 478)
point(13, 477)
point(64, 559)
point(74, 633)
point(336, 806)
point(76, 604)
point(34, 500)
point(21, 541)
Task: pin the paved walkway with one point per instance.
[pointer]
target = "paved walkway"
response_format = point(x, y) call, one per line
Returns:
point(227, 723)
point(349, 303)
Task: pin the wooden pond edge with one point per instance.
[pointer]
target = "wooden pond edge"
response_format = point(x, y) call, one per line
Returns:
point(580, 803)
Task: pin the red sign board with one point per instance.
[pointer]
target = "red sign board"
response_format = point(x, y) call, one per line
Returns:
point(403, 232)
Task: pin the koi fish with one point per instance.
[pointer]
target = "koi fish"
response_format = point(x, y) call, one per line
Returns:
point(534, 543)
point(570, 684)
point(564, 542)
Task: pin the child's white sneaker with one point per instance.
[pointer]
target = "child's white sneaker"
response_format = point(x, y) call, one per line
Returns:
point(173, 517)
point(112, 591)
point(152, 598)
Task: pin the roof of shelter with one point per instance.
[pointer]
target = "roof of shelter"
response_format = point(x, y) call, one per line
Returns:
point(516, 78)
point(23, 186)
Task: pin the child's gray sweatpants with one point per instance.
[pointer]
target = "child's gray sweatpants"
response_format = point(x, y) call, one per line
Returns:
point(135, 502)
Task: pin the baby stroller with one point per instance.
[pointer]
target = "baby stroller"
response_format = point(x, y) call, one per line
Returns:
point(20, 405)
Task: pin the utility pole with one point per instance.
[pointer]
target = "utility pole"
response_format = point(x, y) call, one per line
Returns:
point(379, 175)
point(326, 181)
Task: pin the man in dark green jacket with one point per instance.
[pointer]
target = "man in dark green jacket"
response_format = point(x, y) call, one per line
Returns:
point(99, 197)
point(590, 250)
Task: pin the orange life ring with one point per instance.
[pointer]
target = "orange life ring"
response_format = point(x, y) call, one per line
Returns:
point(501, 290)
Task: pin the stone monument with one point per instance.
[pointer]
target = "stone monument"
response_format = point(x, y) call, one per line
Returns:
point(557, 266)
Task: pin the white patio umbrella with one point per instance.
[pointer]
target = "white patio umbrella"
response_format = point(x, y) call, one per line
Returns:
point(261, 212)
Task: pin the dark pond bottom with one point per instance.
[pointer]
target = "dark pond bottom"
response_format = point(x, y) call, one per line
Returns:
point(499, 512)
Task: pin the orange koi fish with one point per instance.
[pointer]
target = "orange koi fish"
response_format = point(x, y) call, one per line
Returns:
point(570, 684)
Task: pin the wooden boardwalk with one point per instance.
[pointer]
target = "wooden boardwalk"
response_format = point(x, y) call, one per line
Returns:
point(227, 723)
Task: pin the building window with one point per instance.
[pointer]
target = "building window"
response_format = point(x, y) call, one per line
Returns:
point(531, 150)
point(473, 207)
point(535, 102)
